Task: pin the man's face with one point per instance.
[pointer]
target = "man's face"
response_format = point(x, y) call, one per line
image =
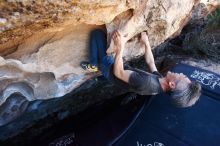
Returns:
point(179, 78)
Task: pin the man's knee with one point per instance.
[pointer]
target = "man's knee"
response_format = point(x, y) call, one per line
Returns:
point(98, 33)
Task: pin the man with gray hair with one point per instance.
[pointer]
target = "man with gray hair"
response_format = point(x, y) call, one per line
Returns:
point(184, 93)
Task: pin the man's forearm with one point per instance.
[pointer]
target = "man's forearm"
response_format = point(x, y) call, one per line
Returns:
point(118, 65)
point(148, 53)
point(118, 68)
point(149, 58)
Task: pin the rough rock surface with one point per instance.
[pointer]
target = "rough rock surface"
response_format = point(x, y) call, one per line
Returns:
point(43, 42)
point(205, 39)
point(47, 68)
point(42, 114)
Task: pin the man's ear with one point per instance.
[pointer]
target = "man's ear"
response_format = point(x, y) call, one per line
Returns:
point(172, 85)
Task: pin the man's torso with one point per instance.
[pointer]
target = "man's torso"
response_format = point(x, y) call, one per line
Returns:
point(140, 82)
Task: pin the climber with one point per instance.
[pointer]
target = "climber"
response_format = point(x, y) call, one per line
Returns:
point(183, 92)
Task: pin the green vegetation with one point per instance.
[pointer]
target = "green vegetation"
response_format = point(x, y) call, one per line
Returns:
point(205, 42)
point(214, 20)
point(214, 15)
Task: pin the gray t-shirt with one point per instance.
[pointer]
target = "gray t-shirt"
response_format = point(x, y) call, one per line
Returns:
point(141, 82)
point(145, 83)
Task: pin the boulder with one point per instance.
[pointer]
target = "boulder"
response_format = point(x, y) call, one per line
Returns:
point(43, 42)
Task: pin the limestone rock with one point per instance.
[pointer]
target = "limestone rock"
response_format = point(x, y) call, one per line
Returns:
point(161, 20)
point(20, 14)
point(46, 65)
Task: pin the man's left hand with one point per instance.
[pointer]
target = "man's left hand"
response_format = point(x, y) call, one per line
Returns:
point(144, 38)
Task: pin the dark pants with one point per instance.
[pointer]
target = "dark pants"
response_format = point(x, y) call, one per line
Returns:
point(98, 56)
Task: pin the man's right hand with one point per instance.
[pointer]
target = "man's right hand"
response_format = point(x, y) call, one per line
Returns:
point(119, 41)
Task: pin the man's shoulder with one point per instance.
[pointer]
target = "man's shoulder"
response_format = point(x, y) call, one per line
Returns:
point(145, 73)
point(145, 83)
point(138, 79)
point(157, 74)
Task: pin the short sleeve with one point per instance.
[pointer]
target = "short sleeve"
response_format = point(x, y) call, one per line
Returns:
point(157, 74)
point(136, 80)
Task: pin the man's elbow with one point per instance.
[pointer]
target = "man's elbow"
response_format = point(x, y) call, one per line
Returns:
point(118, 73)
point(150, 61)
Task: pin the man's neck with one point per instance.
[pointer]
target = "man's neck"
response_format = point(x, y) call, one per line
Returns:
point(163, 83)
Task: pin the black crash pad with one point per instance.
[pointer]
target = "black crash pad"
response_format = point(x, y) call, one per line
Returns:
point(161, 124)
point(100, 125)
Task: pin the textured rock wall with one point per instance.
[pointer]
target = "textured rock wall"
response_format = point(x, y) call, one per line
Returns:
point(161, 20)
point(43, 41)
point(204, 40)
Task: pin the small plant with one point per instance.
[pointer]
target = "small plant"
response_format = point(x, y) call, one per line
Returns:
point(213, 21)
point(214, 15)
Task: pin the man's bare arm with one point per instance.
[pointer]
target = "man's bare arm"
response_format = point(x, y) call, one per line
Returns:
point(118, 68)
point(149, 58)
